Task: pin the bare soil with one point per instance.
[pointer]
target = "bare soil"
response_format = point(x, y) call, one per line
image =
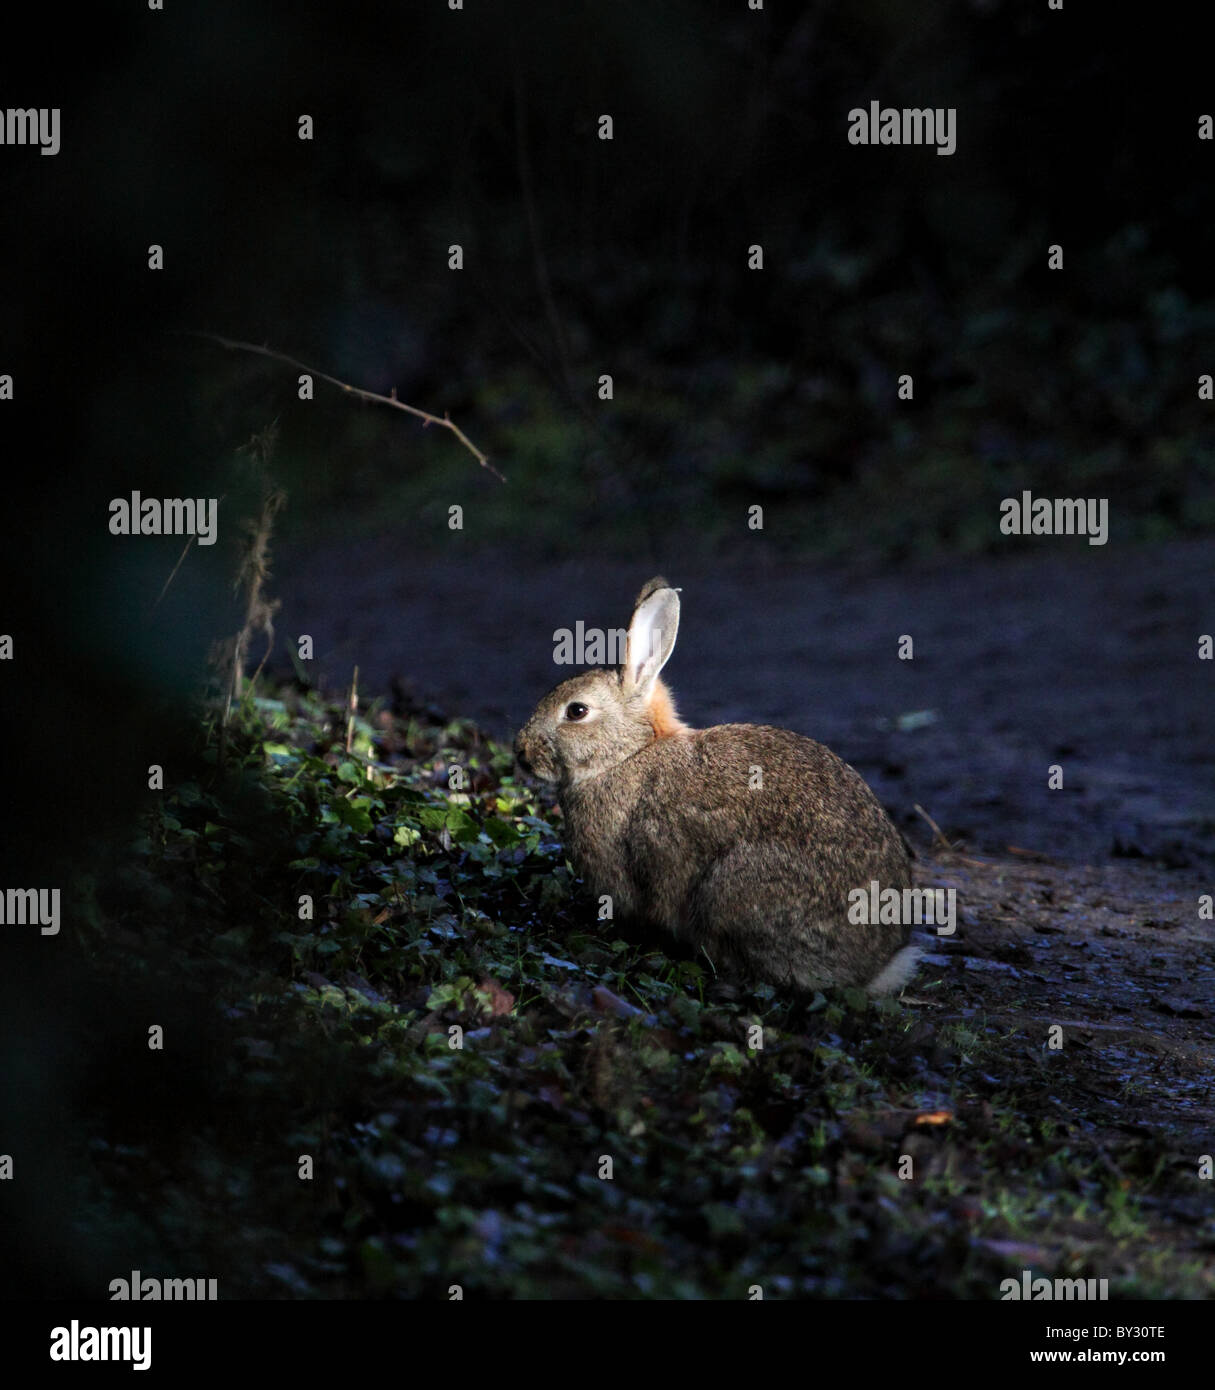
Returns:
point(1078, 907)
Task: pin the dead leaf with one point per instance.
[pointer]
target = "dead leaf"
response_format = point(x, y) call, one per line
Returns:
point(496, 999)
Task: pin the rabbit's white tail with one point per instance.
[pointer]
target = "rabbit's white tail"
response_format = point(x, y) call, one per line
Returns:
point(896, 972)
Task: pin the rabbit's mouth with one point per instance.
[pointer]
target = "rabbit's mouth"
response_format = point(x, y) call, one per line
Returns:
point(543, 774)
point(534, 760)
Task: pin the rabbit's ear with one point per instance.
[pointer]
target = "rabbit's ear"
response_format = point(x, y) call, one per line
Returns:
point(651, 638)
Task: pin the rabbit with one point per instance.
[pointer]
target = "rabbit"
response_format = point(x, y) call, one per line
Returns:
point(742, 839)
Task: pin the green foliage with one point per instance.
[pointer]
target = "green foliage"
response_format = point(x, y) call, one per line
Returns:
point(458, 1042)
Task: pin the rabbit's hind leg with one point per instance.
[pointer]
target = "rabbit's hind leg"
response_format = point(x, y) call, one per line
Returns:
point(760, 912)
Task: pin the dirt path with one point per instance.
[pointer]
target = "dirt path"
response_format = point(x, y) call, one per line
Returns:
point(1119, 959)
point(1085, 658)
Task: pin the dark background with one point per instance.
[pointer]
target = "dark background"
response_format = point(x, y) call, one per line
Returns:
point(732, 388)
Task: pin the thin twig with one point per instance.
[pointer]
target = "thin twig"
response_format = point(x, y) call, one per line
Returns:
point(173, 572)
point(354, 708)
point(184, 552)
point(445, 422)
point(936, 828)
point(947, 847)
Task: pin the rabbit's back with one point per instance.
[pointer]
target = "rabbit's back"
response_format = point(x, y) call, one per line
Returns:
point(745, 839)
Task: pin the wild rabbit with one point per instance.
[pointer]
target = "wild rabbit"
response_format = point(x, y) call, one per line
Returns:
point(742, 839)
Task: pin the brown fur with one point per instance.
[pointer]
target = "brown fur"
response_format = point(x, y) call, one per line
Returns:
point(664, 720)
point(675, 825)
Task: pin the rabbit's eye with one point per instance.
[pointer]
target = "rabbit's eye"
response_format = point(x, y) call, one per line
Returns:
point(576, 710)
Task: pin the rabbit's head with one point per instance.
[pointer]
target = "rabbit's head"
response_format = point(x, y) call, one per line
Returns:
point(594, 721)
